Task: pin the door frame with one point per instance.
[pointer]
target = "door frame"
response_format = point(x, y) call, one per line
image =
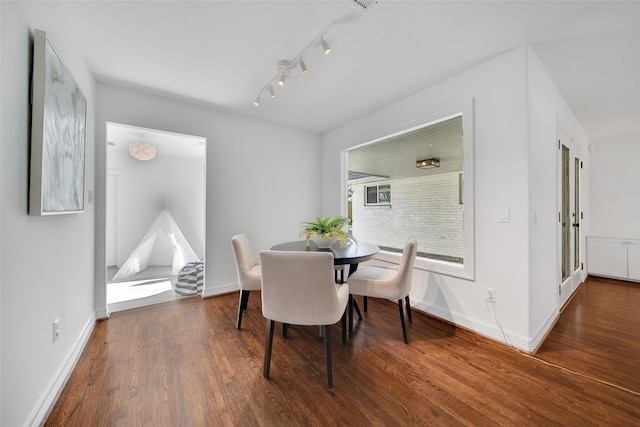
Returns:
point(568, 285)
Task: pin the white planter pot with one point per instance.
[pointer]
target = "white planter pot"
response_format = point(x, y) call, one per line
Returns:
point(324, 242)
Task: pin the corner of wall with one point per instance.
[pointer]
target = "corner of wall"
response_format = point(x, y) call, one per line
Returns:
point(54, 388)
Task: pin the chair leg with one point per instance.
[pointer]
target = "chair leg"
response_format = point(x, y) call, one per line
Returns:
point(242, 305)
point(365, 304)
point(344, 327)
point(267, 347)
point(357, 307)
point(327, 347)
point(406, 300)
point(404, 327)
point(285, 328)
point(350, 313)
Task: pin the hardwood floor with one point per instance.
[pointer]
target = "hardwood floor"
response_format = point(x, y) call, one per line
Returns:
point(184, 363)
point(598, 333)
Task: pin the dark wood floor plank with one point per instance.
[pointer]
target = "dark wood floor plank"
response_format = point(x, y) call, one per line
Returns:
point(184, 363)
point(598, 333)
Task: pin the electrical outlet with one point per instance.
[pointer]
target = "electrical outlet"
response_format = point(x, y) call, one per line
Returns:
point(56, 329)
point(490, 294)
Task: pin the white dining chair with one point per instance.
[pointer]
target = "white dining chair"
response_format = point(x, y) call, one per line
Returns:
point(383, 282)
point(298, 289)
point(248, 269)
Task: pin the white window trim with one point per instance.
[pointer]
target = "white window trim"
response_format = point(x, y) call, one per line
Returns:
point(467, 270)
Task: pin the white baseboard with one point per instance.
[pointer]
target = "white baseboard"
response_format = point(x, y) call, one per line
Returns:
point(488, 330)
point(541, 333)
point(102, 313)
point(53, 390)
point(219, 290)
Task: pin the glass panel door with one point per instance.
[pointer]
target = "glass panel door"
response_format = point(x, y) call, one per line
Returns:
point(565, 215)
point(569, 168)
point(576, 214)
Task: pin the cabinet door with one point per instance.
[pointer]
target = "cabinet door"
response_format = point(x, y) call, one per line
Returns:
point(607, 257)
point(633, 259)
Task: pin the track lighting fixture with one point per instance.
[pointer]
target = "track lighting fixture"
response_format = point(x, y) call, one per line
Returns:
point(285, 68)
point(325, 46)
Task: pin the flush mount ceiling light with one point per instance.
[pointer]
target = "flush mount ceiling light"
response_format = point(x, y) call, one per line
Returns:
point(285, 68)
point(142, 150)
point(428, 163)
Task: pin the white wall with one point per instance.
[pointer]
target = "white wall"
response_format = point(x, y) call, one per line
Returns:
point(517, 109)
point(547, 111)
point(1, 139)
point(141, 188)
point(498, 89)
point(47, 262)
point(259, 179)
point(615, 180)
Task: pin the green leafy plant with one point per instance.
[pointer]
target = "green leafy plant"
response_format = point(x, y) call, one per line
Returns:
point(328, 226)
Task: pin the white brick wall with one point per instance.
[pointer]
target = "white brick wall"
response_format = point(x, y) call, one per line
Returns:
point(426, 207)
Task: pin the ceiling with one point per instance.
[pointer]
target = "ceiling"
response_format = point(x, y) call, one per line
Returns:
point(222, 53)
point(396, 157)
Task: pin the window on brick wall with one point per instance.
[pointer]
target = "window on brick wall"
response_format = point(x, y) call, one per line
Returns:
point(434, 204)
point(377, 194)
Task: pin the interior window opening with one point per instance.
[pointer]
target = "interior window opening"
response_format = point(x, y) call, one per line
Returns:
point(412, 184)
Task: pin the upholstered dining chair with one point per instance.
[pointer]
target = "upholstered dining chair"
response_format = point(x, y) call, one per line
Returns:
point(248, 269)
point(298, 289)
point(383, 282)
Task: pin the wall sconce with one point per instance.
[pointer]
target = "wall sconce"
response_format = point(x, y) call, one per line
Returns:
point(428, 163)
point(285, 67)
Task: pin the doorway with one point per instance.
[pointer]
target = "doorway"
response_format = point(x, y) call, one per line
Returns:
point(570, 216)
point(167, 168)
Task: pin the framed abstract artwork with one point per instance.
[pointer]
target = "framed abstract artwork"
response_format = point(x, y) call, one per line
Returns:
point(58, 135)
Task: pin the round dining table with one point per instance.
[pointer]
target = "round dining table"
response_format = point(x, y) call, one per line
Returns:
point(352, 254)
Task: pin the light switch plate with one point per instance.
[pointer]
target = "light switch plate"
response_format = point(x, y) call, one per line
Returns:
point(504, 215)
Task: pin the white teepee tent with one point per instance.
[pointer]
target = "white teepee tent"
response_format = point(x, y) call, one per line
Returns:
point(163, 236)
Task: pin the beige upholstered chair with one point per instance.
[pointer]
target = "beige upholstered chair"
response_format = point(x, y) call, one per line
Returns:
point(298, 289)
point(248, 268)
point(381, 282)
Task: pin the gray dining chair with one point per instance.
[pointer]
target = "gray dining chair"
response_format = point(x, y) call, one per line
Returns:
point(298, 289)
point(388, 283)
point(248, 269)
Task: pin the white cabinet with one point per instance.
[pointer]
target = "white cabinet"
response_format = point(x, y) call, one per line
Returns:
point(618, 258)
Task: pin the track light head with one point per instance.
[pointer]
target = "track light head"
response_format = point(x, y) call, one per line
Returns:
point(284, 68)
point(325, 46)
point(303, 67)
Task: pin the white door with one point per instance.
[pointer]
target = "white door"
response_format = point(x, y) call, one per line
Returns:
point(569, 216)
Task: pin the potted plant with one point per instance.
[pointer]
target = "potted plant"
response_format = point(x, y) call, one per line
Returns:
point(326, 231)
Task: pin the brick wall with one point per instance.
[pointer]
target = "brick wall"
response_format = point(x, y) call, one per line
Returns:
point(426, 207)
